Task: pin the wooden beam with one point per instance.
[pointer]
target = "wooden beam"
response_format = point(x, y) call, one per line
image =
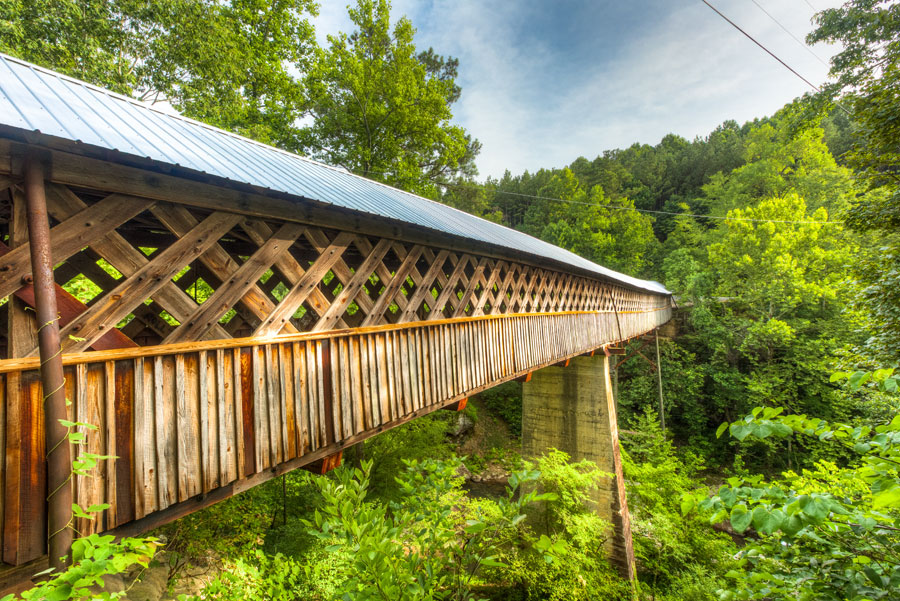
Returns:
point(393, 287)
point(305, 286)
point(423, 291)
point(289, 267)
point(352, 288)
point(179, 221)
point(240, 282)
point(119, 253)
point(449, 288)
point(71, 235)
point(118, 302)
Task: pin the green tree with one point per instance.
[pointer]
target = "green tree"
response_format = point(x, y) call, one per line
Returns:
point(830, 532)
point(382, 110)
point(229, 64)
point(589, 224)
point(866, 74)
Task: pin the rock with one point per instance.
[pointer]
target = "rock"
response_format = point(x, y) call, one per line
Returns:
point(152, 585)
point(463, 424)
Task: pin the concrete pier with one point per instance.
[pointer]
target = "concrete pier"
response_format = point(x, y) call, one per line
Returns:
point(572, 409)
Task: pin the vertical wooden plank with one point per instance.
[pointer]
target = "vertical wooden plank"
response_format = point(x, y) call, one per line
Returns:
point(188, 430)
point(273, 402)
point(301, 401)
point(240, 415)
point(109, 424)
point(288, 414)
point(360, 350)
point(392, 358)
point(121, 394)
point(3, 381)
point(79, 408)
point(382, 363)
point(96, 442)
point(315, 400)
point(374, 385)
point(167, 429)
point(343, 390)
point(249, 406)
point(312, 394)
point(225, 423)
point(329, 416)
point(208, 387)
point(31, 528)
point(405, 377)
point(261, 410)
point(205, 477)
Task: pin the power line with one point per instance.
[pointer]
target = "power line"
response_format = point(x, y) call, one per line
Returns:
point(788, 31)
point(809, 4)
point(767, 51)
point(592, 204)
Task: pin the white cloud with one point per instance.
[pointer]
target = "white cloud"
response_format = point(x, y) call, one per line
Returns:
point(674, 66)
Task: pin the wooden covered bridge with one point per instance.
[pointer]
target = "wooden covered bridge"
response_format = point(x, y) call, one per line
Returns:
point(228, 312)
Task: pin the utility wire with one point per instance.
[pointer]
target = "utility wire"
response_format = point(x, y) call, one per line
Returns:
point(773, 55)
point(592, 204)
point(788, 31)
point(472, 186)
point(766, 50)
point(809, 4)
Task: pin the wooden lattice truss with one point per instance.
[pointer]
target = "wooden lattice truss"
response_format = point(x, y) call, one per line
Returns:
point(134, 271)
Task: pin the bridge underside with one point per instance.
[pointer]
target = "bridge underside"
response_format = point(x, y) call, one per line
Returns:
point(217, 338)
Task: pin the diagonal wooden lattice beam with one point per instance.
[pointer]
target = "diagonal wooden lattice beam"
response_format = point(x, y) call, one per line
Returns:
point(487, 294)
point(344, 274)
point(450, 287)
point(469, 292)
point(290, 268)
point(393, 287)
point(109, 310)
point(423, 290)
point(305, 286)
point(69, 308)
point(352, 288)
point(179, 221)
point(236, 286)
point(63, 203)
point(71, 235)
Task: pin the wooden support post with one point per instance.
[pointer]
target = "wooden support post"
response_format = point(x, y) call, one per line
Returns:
point(59, 462)
point(662, 409)
point(326, 464)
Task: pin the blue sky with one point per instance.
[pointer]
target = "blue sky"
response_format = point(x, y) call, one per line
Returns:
point(544, 82)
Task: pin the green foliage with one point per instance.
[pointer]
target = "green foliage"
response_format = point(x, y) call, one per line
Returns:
point(830, 532)
point(229, 64)
point(675, 553)
point(563, 557)
point(382, 110)
point(423, 547)
point(866, 71)
point(505, 400)
point(93, 557)
point(275, 578)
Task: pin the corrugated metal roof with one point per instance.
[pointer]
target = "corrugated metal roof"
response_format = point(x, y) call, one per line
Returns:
point(37, 99)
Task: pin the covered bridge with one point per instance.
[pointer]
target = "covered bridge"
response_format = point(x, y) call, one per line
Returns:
point(228, 311)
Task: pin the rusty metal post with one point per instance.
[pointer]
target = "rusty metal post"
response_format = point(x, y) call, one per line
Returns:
point(59, 463)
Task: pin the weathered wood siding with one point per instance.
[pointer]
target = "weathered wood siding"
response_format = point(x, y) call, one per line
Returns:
point(187, 419)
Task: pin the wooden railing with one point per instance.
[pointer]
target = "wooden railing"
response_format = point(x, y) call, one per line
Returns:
point(187, 419)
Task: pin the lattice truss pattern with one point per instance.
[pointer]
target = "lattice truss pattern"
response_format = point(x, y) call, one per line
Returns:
point(135, 272)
